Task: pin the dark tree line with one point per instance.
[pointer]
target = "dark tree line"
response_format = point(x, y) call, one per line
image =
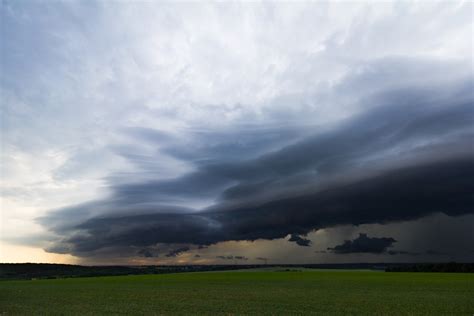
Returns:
point(432, 267)
point(52, 271)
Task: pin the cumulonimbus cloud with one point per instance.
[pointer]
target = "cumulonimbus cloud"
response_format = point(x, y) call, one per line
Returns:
point(405, 157)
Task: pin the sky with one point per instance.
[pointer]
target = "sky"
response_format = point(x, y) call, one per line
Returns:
point(231, 132)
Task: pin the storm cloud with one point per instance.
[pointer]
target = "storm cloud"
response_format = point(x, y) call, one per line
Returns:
point(177, 252)
point(242, 129)
point(364, 244)
point(146, 253)
point(402, 161)
point(299, 240)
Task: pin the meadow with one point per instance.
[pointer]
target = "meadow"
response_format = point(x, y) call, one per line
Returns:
point(258, 292)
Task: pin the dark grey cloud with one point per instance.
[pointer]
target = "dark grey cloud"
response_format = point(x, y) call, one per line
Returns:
point(146, 253)
point(403, 252)
point(407, 119)
point(232, 257)
point(409, 155)
point(364, 244)
point(218, 156)
point(299, 240)
point(394, 196)
point(398, 195)
point(177, 252)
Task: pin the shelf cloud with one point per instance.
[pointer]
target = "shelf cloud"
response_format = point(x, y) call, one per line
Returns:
point(396, 162)
point(161, 132)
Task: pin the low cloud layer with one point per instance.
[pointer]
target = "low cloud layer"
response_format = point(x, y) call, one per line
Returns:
point(299, 240)
point(364, 244)
point(231, 257)
point(177, 252)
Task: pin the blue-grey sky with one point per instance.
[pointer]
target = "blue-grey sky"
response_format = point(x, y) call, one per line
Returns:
point(148, 132)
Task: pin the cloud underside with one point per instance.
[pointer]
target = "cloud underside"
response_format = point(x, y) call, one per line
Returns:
point(397, 196)
point(408, 155)
point(364, 244)
point(300, 240)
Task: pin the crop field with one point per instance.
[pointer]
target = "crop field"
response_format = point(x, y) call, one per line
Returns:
point(323, 292)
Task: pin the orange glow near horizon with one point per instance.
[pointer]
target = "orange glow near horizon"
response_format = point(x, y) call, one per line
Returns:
point(21, 254)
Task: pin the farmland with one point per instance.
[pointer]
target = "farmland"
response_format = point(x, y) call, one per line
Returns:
point(273, 291)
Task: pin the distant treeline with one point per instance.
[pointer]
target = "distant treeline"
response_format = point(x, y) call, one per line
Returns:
point(432, 267)
point(29, 271)
point(53, 271)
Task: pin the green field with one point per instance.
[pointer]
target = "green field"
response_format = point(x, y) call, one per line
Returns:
point(245, 292)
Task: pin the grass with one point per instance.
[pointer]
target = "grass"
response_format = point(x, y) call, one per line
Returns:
point(245, 292)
